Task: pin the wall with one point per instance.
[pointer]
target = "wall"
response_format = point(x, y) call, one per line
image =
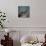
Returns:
point(37, 15)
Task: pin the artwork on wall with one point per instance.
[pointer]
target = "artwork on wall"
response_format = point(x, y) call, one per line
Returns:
point(23, 11)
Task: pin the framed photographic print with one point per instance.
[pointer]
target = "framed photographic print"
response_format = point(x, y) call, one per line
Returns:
point(23, 11)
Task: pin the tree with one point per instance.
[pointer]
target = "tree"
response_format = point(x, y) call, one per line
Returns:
point(2, 19)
